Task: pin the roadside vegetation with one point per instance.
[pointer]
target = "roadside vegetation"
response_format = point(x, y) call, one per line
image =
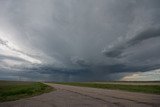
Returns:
point(154, 89)
point(11, 90)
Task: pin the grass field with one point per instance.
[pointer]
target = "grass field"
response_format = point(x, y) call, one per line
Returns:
point(154, 89)
point(12, 90)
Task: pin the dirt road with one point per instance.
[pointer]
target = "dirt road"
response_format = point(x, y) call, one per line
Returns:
point(71, 96)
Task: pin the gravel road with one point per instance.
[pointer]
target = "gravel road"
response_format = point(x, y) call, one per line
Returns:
point(71, 96)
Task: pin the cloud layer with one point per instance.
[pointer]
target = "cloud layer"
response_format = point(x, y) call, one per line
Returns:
point(73, 40)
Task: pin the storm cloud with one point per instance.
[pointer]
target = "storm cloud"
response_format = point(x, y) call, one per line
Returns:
point(78, 40)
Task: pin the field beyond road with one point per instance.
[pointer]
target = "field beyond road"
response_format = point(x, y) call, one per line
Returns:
point(143, 87)
point(12, 90)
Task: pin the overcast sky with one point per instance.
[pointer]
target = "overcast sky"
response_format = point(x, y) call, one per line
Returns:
point(80, 40)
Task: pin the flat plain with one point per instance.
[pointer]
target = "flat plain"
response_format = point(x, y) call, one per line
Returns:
point(80, 96)
point(134, 86)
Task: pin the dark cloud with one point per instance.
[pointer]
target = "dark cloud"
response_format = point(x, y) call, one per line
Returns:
point(63, 40)
point(147, 34)
point(117, 51)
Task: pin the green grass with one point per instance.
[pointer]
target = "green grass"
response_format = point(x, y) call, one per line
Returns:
point(10, 90)
point(154, 89)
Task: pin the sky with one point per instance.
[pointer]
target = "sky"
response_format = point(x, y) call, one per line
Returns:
point(80, 40)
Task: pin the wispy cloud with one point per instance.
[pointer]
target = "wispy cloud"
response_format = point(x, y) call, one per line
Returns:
point(10, 48)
